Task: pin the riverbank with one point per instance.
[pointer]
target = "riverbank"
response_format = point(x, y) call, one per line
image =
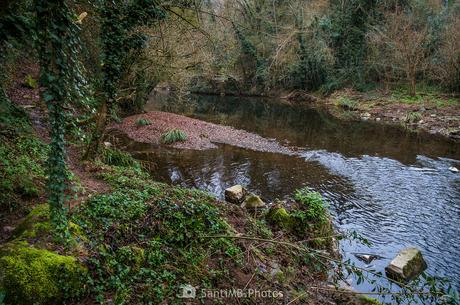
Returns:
point(135, 240)
point(434, 113)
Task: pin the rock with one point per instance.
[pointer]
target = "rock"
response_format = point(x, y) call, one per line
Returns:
point(367, 258)
point(235, 194)
point(378, 119)
point(107, 144)
point(408, 264)
point(280, 217)
point(253, 201)
point(454, 169)
point(35, 276)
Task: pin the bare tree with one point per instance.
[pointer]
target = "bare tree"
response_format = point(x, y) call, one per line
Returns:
point(399, 47)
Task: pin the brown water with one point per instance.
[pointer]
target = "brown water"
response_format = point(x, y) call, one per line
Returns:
point(391, 186)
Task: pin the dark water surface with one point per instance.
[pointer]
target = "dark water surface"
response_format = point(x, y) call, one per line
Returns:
point(391, 186)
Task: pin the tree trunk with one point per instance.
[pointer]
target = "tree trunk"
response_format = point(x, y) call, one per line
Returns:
point(98, 133)
point(413, 85)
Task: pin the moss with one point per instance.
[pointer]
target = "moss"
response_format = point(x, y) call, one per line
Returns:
point(253, 201)
point(36, 224)
point(36, 276)
point(280, 217)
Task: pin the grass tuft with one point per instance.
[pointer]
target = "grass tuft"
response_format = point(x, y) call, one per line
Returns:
point(173, 136)
point(143, 122)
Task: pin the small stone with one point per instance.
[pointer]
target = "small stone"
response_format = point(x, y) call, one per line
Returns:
point(378, 119)
point(408, 264)
point(253, 201)
point(235, 194)
point(454, 169)
point(107, 144)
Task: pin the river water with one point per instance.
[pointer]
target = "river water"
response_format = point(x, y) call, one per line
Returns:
point(391, 186)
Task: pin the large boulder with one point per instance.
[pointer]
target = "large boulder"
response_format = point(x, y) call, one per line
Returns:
point(235, 194)
point(408, 264)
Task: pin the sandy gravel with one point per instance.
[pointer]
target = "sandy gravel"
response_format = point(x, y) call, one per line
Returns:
point(201, 135)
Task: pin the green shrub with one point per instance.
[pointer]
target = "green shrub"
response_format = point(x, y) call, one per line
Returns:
point(143, 122)
point(314, 207)
point(173, 136)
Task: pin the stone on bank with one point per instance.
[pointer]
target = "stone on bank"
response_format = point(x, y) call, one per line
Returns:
point(235, 194)
point(408, 264)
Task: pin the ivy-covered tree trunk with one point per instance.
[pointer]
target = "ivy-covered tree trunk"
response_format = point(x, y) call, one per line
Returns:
point(54, 23)
point(118, 18)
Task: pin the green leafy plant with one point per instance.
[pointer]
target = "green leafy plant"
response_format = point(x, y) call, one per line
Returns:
point(313, 205)
point(30, 82)
point(173, 136)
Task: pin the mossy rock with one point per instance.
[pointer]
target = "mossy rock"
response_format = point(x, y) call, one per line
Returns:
point(253, 202)
point(280, 217)
point(36, 276)
point(36, 223)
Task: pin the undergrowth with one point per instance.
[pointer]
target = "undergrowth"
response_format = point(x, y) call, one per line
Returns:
point(22, 158)
point(146, 237)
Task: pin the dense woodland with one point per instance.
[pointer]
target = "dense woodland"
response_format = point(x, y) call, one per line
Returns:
point(87, 223)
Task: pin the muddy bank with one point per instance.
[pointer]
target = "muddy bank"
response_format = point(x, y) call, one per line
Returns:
point(200, 135)
point(438, 115)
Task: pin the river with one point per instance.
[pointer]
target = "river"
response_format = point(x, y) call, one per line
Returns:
point(390, 185)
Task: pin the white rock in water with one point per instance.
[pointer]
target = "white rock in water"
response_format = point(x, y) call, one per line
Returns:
point(408, 264)
point(235, 194)
point(454, 169)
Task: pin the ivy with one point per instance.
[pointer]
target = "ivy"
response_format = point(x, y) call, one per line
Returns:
point(57, 34)
point(119, 41)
